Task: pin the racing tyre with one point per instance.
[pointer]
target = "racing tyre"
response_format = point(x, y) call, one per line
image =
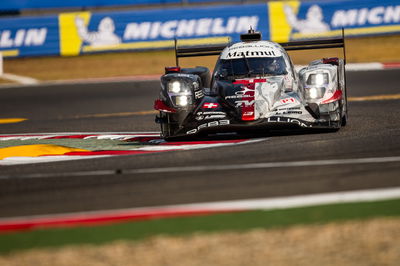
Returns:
point(168, 125)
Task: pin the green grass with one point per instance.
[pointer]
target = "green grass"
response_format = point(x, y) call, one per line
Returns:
point(212, 223)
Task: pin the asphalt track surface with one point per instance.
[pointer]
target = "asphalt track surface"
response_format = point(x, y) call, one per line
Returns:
point(373, 131)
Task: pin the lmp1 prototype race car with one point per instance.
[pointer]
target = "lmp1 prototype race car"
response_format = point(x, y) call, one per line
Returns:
point(254, 87)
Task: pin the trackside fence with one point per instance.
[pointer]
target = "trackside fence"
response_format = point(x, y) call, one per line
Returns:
point(69, 34)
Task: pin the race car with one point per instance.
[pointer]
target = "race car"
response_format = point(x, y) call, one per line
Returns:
point(254, 87)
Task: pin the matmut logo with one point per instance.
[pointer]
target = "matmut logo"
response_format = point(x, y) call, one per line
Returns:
point(242, 54)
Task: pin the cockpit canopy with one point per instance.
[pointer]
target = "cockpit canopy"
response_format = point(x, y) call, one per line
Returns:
point(253, 66)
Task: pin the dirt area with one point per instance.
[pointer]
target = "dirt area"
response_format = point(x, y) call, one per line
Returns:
point(376, 49)
point(369, 242)
point(5, 81)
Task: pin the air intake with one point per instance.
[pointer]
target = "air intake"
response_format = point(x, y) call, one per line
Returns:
point(251, 36)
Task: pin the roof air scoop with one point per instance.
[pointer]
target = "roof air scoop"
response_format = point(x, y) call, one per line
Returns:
point(251, 36)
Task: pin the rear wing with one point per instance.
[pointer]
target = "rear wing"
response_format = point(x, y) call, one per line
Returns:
point(197, 51)
point(288, 46)
point(317, 44)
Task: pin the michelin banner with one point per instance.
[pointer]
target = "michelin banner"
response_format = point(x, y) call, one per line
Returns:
point(29, 36)
point(294, 20)
point(87, 32)
point(70, 34)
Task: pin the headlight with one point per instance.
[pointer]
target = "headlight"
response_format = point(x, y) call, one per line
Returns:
point(318, 79)
point(182, 100)
point(178, 87)
point(180, 91)
point(315, 92)
point(174, 86)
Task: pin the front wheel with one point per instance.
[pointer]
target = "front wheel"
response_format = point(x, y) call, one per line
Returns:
point(168, 125)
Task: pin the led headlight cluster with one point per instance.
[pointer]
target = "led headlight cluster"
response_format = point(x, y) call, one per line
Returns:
point(180, 92)
point(318, 79)
point(176, 86)
point(316, 85)
point(315, 92)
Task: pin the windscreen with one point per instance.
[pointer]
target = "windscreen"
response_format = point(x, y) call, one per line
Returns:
point(251, 66)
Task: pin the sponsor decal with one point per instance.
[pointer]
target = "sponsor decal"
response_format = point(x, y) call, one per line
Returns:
point(248, 114)
point(244, 93)
point(210, 124)
point(248, 53)
point(288, 100)
point(210, 105)
point(209, 115)
point(289, 113)
point(249, 46)
point(245, 103)
point(278, 119)
point(198, 94)
point(289, 108)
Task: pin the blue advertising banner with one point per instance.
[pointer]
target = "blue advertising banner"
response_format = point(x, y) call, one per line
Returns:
point(86, 32)
point(29, 36)
point(294, 20)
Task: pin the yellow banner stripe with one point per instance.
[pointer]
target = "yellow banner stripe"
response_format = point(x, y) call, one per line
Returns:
point(370, 30)
point(280, 29)
point(70, 42)
point(10, 53)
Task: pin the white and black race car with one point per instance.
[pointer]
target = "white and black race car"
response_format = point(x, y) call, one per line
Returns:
point(254, 87)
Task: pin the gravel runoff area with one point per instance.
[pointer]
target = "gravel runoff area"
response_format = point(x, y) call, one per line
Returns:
point(363, 242)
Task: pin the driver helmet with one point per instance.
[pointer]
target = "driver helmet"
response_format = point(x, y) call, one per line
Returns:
point(273, 66)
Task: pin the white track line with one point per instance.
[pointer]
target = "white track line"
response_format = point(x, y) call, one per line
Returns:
point(234, 205)
point(20, 79)
point(208, 168)
point(265, 165)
